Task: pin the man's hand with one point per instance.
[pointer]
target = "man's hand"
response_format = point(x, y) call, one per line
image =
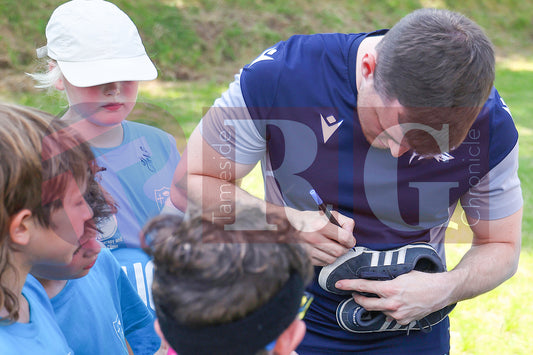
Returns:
point(324, 240)
point(407, 298)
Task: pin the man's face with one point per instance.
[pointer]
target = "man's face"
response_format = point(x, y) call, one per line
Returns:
point(379, 121)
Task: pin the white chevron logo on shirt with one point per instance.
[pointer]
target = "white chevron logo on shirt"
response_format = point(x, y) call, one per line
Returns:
point(329, 126)
point(264, 56)
point(442, 157)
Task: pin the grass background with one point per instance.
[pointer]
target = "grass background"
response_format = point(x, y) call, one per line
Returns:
point(198, 45)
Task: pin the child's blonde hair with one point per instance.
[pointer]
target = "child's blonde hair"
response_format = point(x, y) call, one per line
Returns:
point(47, 78)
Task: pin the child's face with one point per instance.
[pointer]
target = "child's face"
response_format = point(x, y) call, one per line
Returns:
point(85, 256)
point(103, 105)
point(57, 243)
point(83, 259)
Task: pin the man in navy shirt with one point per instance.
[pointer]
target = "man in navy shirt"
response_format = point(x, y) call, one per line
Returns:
point(392, 128)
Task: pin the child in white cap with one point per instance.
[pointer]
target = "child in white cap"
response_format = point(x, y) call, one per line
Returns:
point(97, 58)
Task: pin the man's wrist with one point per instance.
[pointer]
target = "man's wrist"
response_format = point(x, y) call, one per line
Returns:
point(452, 285)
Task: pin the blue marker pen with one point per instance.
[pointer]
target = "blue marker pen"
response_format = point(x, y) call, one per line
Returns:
point(323, 207)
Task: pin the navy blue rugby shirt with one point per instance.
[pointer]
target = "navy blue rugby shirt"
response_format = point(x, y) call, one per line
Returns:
point(302, 98)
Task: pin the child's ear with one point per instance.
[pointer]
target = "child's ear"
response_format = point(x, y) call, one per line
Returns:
point(19, 231)
point(289, 340)
point(59, 84)
point(164, 344)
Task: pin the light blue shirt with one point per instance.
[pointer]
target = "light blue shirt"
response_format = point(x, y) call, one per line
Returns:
point(97, 311)
point(41, 335)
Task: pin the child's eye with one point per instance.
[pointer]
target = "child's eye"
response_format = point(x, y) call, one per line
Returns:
point(77, 250)
point(81, 202)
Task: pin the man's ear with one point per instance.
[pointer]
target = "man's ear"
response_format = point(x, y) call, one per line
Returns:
point(289, 340)
point(368, 64)
point(19, 231)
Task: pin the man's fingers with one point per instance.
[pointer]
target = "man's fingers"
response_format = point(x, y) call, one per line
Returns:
point(324, 240)
point(323, 251)
point(370, 303)
point(343, 237)
point(344, 234)
point(319, 257)
point(346, 223)
point(361, 285)
point(315, 228)
point(336, 235)
point(324, 243)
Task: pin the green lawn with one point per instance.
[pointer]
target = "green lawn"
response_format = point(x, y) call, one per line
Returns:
point(499, 321)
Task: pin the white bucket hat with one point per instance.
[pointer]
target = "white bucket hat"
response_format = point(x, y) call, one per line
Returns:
point(94, 42)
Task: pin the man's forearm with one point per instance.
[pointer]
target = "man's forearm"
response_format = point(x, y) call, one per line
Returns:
point(482, 268)
point(221, 200)
point(492, 259)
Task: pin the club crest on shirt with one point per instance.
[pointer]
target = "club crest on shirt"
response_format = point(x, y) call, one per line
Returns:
point(119, 331)
point(161, 196)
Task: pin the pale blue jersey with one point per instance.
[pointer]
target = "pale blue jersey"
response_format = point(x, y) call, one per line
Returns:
point(97, 312)
point(42, 334)
point(138, 174)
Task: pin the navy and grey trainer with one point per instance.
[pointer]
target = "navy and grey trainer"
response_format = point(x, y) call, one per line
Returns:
point(354, 318)
point(364, 263)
